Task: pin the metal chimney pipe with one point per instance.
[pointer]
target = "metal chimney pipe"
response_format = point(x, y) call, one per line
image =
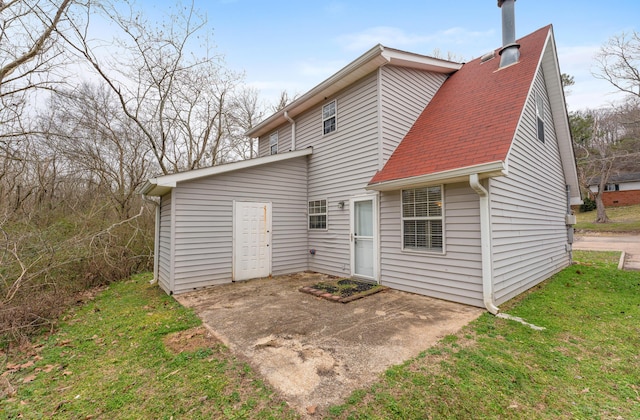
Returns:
point(510, 51)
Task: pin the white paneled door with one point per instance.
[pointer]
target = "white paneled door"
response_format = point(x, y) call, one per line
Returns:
point(363, 237)
point(252, 240)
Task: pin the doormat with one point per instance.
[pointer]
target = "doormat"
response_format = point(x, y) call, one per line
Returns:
point(343, 290)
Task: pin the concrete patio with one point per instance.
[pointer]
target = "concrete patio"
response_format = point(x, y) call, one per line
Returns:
point(316, 352)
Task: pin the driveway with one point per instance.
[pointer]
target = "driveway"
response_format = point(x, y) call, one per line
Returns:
point(629, 244)
point(316, 352)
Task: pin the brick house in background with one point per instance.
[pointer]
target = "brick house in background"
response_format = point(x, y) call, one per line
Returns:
point(622, 190)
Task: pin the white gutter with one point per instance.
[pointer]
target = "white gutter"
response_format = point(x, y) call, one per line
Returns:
point(163, 184)
point(293, 129)
point(156, 239)
point(497, 168)
point(485, 238)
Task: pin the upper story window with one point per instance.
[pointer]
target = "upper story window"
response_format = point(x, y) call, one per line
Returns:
point(329, 118)
point(422, 219)
point(273, 143)
point(540, 116)
point(318, 214)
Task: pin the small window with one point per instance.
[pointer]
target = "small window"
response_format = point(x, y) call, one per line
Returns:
point(273, 143)
point(329, 118)
point(612, 187)
point(540, 116)
point(422, 219)
point(318, 214)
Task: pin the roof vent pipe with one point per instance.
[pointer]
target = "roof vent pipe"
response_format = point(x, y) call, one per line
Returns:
point(510, 51)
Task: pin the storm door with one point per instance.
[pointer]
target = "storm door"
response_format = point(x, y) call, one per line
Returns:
point(364, 237)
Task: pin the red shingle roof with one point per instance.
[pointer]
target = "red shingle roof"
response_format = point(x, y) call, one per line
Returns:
point(472, 119)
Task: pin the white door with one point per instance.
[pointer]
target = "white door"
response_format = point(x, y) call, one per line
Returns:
point(364, 237)
point(252, 240)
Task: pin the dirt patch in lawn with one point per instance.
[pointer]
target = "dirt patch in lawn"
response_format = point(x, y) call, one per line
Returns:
point(190, 340)
point(343, 290)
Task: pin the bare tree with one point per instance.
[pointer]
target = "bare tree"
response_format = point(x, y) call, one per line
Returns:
point(596, 157)
point(604, 144)
point(247, 112)
point(608, 141)
point(450, 56)
point(283, 100)
point(30, 51)
point(179, 97)
point(27, 41)
point(58, 232)
point(87, 128)
point(71, 158)
point(618, 62)
point(629, 112)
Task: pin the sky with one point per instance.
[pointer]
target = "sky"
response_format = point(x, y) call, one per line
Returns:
point(295, 45)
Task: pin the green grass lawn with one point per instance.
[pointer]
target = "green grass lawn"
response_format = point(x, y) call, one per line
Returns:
point(110, 359)
point(584, 365)
point(623, 220)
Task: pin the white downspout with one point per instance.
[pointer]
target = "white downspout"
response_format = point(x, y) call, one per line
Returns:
point(293, 130)
point(156, 239)
point(485, 237)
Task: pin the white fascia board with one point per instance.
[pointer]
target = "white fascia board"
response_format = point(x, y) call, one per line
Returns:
point(552, 76)
point(163, 184)
point(376, 57)
point(548, 62)
point(421, 62)
point(576, 201)
point(152, 190)
point(485, 170)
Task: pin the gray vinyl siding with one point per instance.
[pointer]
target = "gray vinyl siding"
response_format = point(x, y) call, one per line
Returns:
point(404, 94)
point(343, 162)
point(284, 141)
point(165, 251)
point(454, 276)
point(263, 146)
point(204, 221)
point(340, 167)
point(528, 208)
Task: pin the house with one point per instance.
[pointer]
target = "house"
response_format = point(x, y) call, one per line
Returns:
point(444, 179)
point(622, 190)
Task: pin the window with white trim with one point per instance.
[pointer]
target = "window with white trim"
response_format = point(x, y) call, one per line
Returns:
point(318, 214)
point(422, 219)
point(329, 117)
point(540, 116)
point(273, 143)
point(612, 187)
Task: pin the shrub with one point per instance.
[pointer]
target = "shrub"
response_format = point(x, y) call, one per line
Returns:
point(46, 259)
point(587, 205)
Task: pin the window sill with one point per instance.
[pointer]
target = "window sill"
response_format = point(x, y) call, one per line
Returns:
point(423, 251)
